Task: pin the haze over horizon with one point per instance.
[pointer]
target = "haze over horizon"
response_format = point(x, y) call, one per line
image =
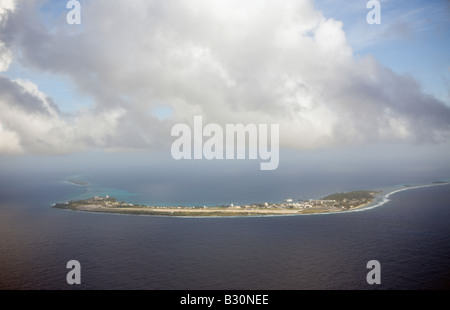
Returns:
point(119, 81)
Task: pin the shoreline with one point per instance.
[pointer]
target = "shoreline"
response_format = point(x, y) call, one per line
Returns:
point(385, 199)
point(107, 206)
point(339, 202)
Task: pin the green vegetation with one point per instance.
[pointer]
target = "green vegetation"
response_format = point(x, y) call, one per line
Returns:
point(356, 195)
point(331, 203)
point(352, 199)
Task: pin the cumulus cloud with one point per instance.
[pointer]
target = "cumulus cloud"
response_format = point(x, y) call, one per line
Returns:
point(9, 142)
point(30, 121)
point(6, 6)
point(5, 57)
point(232, 61)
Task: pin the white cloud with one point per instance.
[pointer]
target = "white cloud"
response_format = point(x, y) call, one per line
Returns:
point(5, 57)
point(31, 122)
point(250, 61)
point(9, 142)
point(32, 89)
point(6, 6)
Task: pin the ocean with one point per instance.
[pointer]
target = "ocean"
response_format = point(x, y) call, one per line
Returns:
point(409, 235)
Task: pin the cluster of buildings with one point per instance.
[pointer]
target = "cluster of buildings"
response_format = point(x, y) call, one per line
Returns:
point(286, 204)
point(289, 204)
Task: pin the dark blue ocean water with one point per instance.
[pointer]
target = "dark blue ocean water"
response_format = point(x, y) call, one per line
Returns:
point(409, 236)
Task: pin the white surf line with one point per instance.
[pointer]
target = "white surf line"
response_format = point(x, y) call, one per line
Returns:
point(385, 200)
point(386, 197)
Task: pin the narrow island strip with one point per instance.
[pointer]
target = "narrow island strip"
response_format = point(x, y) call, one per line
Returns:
point(333, 203)
point(76, 182)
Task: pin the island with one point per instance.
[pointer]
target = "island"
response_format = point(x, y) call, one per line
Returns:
point(76, 182)
point(333, 203)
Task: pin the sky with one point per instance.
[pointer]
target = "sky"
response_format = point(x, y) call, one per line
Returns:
point(120, 80)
